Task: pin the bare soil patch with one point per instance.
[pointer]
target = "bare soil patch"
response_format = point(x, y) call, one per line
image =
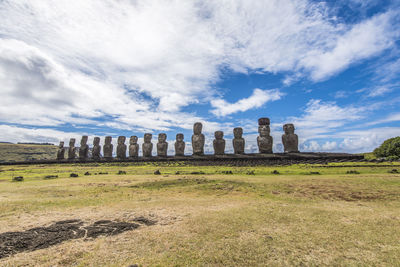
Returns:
point(44, 237)
point(338, 192)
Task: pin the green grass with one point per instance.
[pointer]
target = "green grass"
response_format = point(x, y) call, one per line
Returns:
point(212, 219)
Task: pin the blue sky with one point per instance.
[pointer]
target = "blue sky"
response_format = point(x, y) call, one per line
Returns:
point(97, 68)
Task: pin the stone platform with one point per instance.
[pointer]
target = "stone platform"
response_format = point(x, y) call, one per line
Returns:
point(227, 159)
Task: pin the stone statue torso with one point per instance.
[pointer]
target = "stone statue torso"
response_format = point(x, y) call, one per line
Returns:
point(147, 149)
point(238, 145)
point(219, 146)
point(198, 144)
point(162, 149)
point(96, 151)
point(290, 143)
point(108, 149)
point(265, 144)
point(121, 151)
point(61, 153)
point(133, 150)
point(83, 152)
point(179, 148)
point(71, 152)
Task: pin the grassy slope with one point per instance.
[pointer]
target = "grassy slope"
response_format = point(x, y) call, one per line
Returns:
point(21, 152)
point(212, 219)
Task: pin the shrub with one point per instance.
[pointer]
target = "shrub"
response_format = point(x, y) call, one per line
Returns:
point(389, 148)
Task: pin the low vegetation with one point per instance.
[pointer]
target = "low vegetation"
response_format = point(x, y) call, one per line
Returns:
point(23, 152)
point(121, 214)
point(390, 149)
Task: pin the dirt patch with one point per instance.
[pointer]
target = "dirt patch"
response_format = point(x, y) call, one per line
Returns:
point(338, 192)
point(159, 184)
point(43, 237)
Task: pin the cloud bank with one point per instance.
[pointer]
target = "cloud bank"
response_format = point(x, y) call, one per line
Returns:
point(140, 64)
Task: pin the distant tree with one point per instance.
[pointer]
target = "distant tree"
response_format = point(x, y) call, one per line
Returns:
point(389, 149)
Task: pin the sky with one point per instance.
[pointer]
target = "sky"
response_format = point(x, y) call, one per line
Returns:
point(127, 67)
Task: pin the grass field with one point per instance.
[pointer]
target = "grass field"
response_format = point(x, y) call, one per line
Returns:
point(21, 152)
point(305, 215)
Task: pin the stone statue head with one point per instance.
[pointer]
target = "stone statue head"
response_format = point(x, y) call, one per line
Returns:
point(147, 137)
point(72, 142)
point(179, 137)
point(197, 127)
point(108, 140)
point(263, 121)
point(162, 137)
point(121, 140)
point(84, 140)
point(238, 132)
point(264, 131)
point(288, 128)
point(133, 140)
point(61, 145)
point(96, 141)
point(219, 134)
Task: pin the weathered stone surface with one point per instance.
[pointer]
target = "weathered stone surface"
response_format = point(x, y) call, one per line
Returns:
point(179, 145)
point(108, 147)
point(121, 147)
point(162, 145)
point(219, 143)
point(61, 151)
point(264, 141)
point(96, 151)
point(238, 141)
point(147, 146)
point(133, 147)
point(71, 149)
point(290, 140)
point(198, 139)
point(263, 122)
point(84, 148)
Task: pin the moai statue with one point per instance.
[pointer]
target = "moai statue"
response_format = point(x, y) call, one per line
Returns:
point(147, 146)
point(84, 148)
point(198, 139)
point(219, 143)
point(179, 145)
point(71, 149)
point(133, 147)
point(61, 151)
point(238, 141)
point(121, 147)
point(162, 145)
point(264, 141)
point(96, 151)
point(108, 147)
point(290, 140)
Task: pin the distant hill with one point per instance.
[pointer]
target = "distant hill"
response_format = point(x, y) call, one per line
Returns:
point(22, 152)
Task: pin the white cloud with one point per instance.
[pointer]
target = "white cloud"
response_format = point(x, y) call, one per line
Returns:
point(379, 91)
point(366, 39)
point(366, 140)
point(257, 99)
point(390, 118)
point(138, 63)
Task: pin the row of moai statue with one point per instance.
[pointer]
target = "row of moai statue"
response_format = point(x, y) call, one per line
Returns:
point(264, 142)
